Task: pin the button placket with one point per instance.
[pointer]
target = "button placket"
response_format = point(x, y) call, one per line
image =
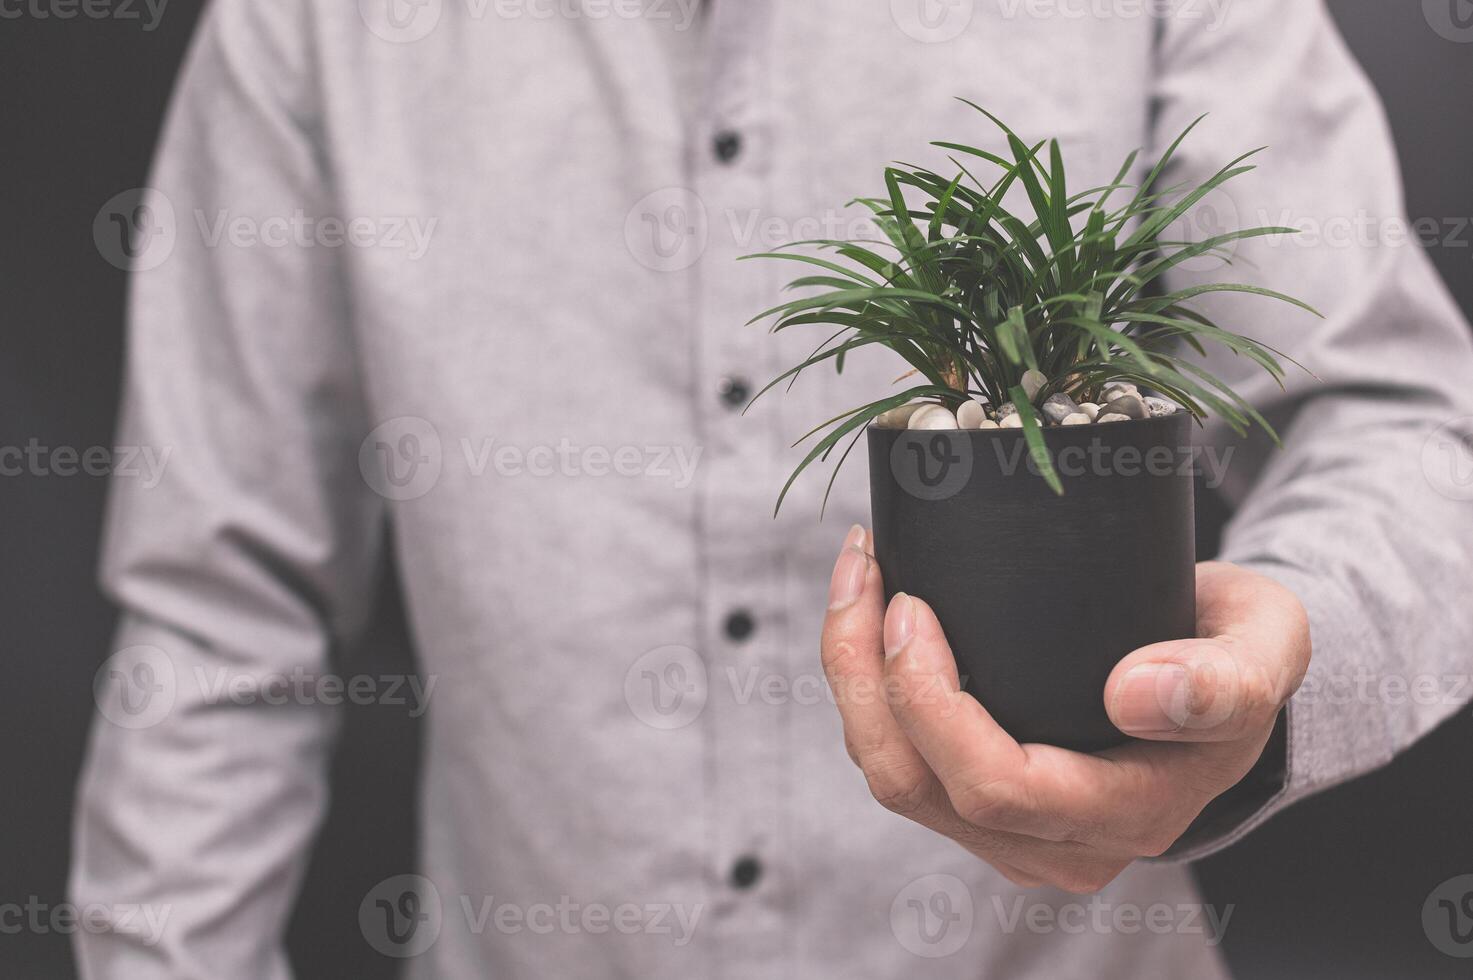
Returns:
point(742, 549)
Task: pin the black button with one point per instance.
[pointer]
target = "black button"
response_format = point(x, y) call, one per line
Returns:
point(727, 145)
point(734, 392)
point(740, 625)
point(745, 872)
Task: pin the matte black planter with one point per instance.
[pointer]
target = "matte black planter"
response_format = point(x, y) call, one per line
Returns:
point(1041, 595)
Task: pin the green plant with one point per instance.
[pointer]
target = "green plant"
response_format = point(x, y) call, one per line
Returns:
point(973, 296)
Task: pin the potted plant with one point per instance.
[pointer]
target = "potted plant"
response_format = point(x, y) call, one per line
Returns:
point(1034, 482)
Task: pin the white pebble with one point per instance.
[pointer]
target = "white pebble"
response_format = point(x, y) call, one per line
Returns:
point(1078, 418)
point(1091, 410)
point(971, 415)
point(1014, 421)
point(1158, 407)
point(989, 424)
point(1113, 417)
point(933, 417)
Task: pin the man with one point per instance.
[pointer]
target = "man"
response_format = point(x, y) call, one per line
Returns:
point(628, 712)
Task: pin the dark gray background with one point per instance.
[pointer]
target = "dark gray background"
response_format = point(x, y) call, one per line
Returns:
point(1333, 888)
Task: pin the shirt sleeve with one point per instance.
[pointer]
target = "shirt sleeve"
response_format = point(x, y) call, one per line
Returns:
point(253, 554)
point(1362, 512)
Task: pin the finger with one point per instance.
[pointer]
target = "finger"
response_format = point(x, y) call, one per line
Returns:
point(981, 766)
point(852, 661)
point(897, 774)
point(1228, 686)
point(1124, 803)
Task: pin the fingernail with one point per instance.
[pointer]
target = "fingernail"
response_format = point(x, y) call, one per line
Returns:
point(848, 581)
point(1154, 698)
point(900, 621)
point(855, 538)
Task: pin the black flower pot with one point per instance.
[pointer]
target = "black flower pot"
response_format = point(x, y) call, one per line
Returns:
point(1041, 595)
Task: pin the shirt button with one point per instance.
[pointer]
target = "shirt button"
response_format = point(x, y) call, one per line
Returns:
point(734, 392)
point(739, 625)
point(745, 872)
point(727, 145)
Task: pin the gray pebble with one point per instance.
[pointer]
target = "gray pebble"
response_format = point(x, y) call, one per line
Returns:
point(1059, 407)
point(1130, 406)
point(1115, 389)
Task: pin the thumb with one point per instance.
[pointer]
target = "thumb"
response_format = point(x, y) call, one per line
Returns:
point(1192, 691)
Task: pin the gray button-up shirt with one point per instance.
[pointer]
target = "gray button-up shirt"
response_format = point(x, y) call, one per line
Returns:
point(465, 271)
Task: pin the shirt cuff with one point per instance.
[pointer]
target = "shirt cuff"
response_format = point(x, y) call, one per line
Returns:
point(1316, 742)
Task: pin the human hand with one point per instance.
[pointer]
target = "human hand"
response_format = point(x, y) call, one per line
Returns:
point(1042, 815)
